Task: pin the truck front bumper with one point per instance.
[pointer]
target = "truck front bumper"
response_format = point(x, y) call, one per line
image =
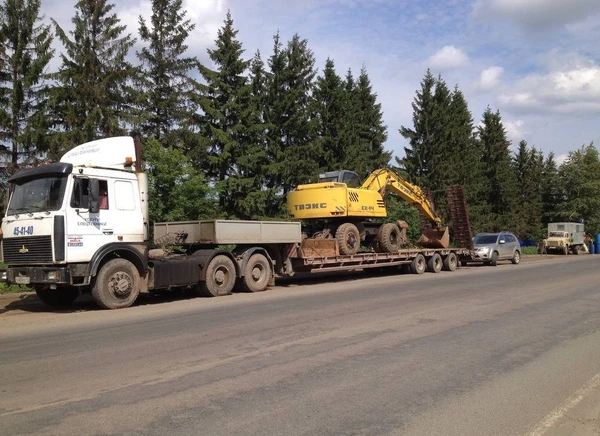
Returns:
point(28, 275)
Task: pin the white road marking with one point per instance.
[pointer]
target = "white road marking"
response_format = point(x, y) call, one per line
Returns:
point(569, 404)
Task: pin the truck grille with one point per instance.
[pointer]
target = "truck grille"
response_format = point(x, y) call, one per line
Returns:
point(32, 249)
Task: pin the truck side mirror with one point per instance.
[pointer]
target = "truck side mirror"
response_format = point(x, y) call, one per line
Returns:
point(94, 194)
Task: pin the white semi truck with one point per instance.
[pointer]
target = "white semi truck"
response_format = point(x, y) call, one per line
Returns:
point(81, 226)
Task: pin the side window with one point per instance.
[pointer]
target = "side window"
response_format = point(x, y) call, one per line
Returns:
point(351, 180)
point(80, 198)
point(103, 194)
point(126, 199)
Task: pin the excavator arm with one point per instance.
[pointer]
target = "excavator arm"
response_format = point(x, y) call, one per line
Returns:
point(384, 179)
point(432, 235)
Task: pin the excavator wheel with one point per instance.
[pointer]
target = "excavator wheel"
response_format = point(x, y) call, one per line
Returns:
point(389, 239)
point(348, 239)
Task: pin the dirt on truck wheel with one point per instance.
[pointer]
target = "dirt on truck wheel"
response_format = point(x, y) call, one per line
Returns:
point(117, 284)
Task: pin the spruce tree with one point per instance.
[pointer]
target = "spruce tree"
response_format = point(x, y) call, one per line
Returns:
point(464, 157)
point(25, 50)
point(418, 158)
point(528, 167)
point(275, 116)
point(427, 159)
point(502, 189)
point(255, 163)
point(228, 122)
point(293, 141)
point(552, 191)
point(330, 108)
point(166, 85)
point(366, 153)
point(93, 96)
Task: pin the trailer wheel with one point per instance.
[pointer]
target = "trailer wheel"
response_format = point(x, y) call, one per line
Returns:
point(434, 263)
point(389, 238)
point(117, 284)
point(418, 264)
point(257, 274)
point(450, 262)
point(61, 297)
point(348, 238)
point(220, 277)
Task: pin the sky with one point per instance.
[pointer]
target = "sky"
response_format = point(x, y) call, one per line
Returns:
point(536, 61)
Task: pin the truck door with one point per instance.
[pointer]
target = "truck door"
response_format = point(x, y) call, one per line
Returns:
point(87, 231)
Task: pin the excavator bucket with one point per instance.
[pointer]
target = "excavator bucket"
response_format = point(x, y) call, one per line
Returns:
point(437, 237)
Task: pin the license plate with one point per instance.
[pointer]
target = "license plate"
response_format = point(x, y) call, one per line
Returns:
point(21, 280)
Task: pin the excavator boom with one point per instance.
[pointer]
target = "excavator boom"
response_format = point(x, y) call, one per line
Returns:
point(384, 178)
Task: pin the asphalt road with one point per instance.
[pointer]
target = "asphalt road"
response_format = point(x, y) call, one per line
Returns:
point(506, 350)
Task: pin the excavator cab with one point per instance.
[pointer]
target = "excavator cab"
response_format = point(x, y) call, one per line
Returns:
point(350, 178)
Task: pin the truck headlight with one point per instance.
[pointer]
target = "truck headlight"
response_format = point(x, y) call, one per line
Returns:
point(52, 275)
point(3, 276)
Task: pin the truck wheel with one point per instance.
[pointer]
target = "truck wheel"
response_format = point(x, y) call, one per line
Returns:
point(434, 263)
point(117, 284)
point(257, 274)
point(494, 260)
point(576, 249)
point(220, 277)
point(388, 238)
point(418, 264)
point(348, 238)
point(61, 297)
point(450, 262)
point(516, 257)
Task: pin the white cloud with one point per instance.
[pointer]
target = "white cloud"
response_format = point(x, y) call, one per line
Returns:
point(515, 130)
point(448, 57)
point(490, 78)
point(536, 15)
point(206, 15)
point(569, 87)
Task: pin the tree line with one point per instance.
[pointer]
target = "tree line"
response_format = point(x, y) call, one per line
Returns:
point(231, 139)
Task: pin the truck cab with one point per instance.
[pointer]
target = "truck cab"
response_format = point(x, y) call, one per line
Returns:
point(64, 218)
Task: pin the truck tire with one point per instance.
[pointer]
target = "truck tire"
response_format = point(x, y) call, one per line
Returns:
point(516, 257)
point(61, 297)
point(576, 249)
point(117, 284)
point(494, 259)
point(418, 264)
point(389, 238)
point(257, 273)
point(434, 263)
point(450, 262)
point(348, 239)
point(220, 277)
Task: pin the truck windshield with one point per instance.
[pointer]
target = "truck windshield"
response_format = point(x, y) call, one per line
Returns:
point(557, 234)
point(37, 195)
point(485, 239)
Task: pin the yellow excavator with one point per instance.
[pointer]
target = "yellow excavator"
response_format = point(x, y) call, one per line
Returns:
point(339, 206)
